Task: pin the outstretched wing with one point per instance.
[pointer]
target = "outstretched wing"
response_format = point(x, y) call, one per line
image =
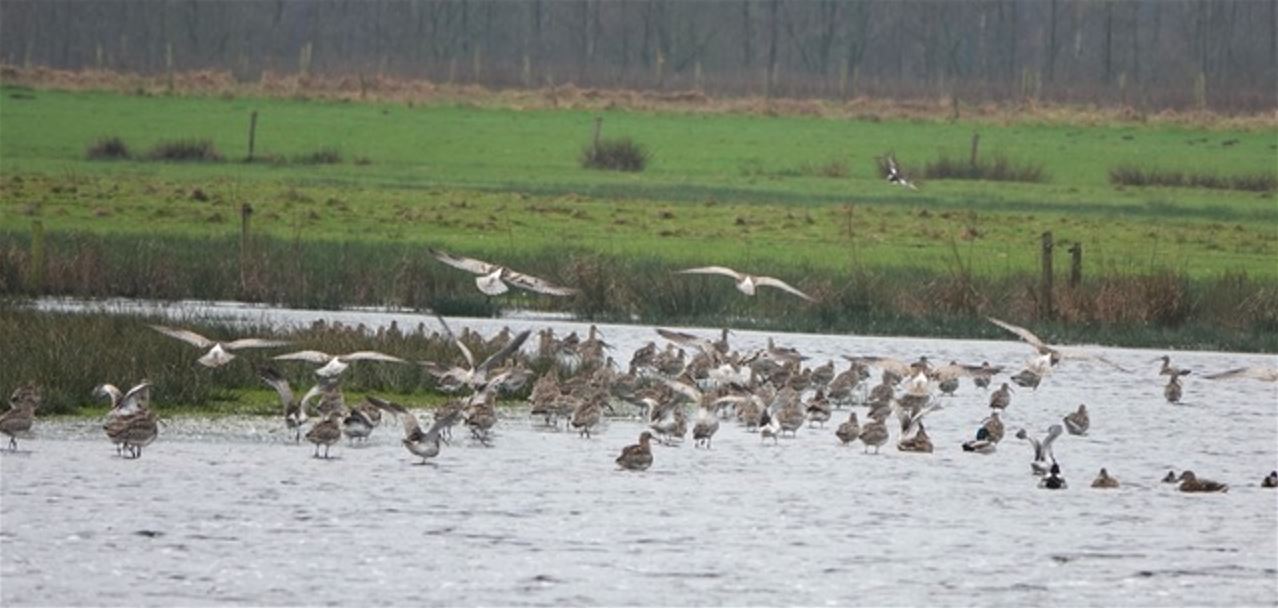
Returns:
point(688, 340)
point(510, 348)
point(1265, 374)
point(463, 263)
point(723, 270)
point(253, 343)
point(1053, 432)
point(136, 398)
point(531, 283)
point(1024, 334)
point(782, 285)
point(408, 419)
point(684, 389)
point(313, 356)
point(277, 382)
point(369, 355)
point(184, 335)
point(887, 364)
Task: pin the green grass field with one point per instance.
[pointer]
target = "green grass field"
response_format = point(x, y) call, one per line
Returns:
point(1186, 266)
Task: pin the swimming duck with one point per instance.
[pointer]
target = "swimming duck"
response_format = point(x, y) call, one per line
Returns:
point(637, 457)
point(325, 433)
point(982, 443)
point(1172, 392)
point(1078, 422)
point(1191, 483)
point(1053, 481)
point(916, 442)
point(748, 283)
point(848, 431)
point(1103, 480)
point(1270, 480)
point(18, 420)
point(1043, 457)
point(493, 280)
point(1001, 397)
point(219, 352)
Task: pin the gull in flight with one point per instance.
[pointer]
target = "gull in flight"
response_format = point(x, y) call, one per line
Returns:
point(334, 365)
point(748, 283)
point(894, 174)
point(493, 279)
point(473, 375)
point(219, 352)
point(1263, 374)
point(1049, 355)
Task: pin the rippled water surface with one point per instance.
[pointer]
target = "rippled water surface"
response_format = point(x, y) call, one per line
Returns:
point(227, 511)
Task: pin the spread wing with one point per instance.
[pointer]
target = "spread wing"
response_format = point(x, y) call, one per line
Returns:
point(254, 343)
point(685, 390)
point(184, 335)
point(136, 398)
point(463, 263)
point(1053, 432)
point(783, 286)
point(1024, 334)
point(887, 364)
point(279, 383)
point(531, 283)
point(313, 356)
point(410, 421)
point(370, 355)
point(728, 272)
point(510, 348)
point(689, 340)
point(1257, 373)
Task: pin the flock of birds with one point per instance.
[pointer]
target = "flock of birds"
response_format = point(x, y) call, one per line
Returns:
point(691, 385)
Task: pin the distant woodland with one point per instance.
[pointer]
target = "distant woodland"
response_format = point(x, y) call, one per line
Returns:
point(1152, 54)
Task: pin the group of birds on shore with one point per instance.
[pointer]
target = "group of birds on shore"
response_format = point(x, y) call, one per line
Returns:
point(769, 391)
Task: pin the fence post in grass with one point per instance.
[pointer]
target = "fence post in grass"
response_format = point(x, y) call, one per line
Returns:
point(252, 135)
point(168, 65)
point(976, 143)
point(1075, 265)
point(594, 142)
point(1045, 299)
point(35, 274)
point(246, 215)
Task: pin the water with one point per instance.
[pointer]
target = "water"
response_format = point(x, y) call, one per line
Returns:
point(228, 512)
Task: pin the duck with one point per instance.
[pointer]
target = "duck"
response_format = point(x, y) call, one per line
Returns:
point(748, 283)
point(1270, 480)
point(494, 280)
point(917, 442)
point(1104, 481)
point(219, 353)
point(17, 422)
point(424, 445)
point(333, 365)
point(1173, 391)
point(1001, 398)
point(1043, 457)
point(987, 437)
point(1053, 481)
point(1169, 370)
point(1191, 483)
point(637, 457)
point(326, 432)
point(1078, 422)
point(848, 431)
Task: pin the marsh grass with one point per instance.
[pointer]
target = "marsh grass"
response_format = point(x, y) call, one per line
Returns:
point(321, 156)
point(107, 148)
point(1000, 168)
point(185, 150)
point(1134, 175)
point(619, 154)
point(69, 354)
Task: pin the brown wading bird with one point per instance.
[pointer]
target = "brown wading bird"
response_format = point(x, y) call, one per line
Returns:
point(494, 279)
point(748, 283)
point(219, 352)
point(326, 433)
point(17, 421)
point(637, 457)
point(130, 424)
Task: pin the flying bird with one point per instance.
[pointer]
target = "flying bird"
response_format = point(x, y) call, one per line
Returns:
point(334, 365)
point(748, 283)
point(219, 352)
point(1050, 355)
point(473, 375)
point(493, 279)
point(894, 174)
point(1263, 374)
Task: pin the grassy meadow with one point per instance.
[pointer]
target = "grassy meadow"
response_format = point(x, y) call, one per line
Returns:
point(796, 196)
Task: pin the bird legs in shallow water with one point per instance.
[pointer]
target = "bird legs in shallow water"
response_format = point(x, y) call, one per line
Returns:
point(13, 444)
point(317, 454)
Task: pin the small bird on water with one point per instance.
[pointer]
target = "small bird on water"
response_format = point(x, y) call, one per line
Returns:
point(1103, 480)
point(637, 457)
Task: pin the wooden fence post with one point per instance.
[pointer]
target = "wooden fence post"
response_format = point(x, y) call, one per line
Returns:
point(1045, 299)
point(252, 134)
point(1075, 265)
point(246, 216)
point(976, 144)
point(594, 142)
point(35, 274)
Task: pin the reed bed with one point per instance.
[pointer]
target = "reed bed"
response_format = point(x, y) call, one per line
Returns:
point(1133, 175)
point(1231, 311)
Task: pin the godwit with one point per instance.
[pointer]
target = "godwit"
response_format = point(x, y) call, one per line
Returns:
point(325, 433)
point(848, 431)
point(17, 421)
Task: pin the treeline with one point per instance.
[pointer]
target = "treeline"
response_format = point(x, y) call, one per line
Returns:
point(1149, 54)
